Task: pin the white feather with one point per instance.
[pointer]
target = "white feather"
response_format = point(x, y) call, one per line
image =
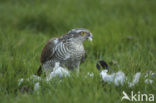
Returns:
point(116, 78)
point(56, 41)
point(135, 79)
point(58, 71)
point(37, 86)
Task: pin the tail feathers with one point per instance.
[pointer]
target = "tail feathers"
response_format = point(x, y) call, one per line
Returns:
point(39, 71)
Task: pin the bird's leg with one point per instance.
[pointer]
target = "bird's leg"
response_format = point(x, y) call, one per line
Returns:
point(77, 69)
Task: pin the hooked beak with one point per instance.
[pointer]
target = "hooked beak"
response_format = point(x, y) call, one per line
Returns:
point(90, 38)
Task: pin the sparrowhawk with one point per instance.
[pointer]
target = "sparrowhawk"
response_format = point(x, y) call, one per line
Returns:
point(68, 50)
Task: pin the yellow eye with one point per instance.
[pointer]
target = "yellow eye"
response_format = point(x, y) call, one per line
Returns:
point(82, 33)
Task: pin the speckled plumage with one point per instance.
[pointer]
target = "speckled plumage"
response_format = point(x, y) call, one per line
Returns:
point(68, 50)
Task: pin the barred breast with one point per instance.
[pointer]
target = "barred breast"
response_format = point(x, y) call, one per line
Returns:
point(69, 49)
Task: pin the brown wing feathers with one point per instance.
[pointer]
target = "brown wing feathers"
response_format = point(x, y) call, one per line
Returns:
point(47, 51)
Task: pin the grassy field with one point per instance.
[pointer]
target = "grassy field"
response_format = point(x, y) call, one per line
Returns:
point(124, 31)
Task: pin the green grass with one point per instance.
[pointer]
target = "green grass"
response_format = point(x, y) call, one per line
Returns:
point(26, 25)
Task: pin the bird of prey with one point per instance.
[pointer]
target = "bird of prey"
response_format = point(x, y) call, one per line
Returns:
point(68, 50)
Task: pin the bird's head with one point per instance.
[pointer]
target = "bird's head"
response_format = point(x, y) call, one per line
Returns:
point(80, 34)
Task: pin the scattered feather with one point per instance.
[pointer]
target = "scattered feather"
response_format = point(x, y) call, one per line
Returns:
point(135, 79)
point(116, 78)
point(148, 81)
point(101, 64)
point(150, 76)
point(20, 81)
point(34, 78)
point(90, 74)
point(37, 86)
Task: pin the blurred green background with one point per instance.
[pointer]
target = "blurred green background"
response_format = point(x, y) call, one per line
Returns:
point(124, 31)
